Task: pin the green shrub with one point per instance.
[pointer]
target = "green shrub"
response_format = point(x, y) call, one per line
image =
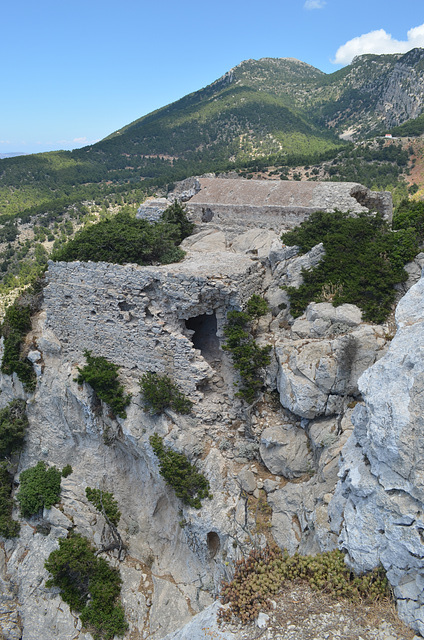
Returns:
point(66, 471)
point(261, 575)
point(102, 376)
point(13, 424)
point(159, 393)
point(176, 214)
point(126, 239)
point(362, 263)
point(410, 215)
point(248, 358)
point(88, 585)
point(105, 503)
point(8, 528)
point(189, 485)
point(257, 306)
point(39, 488)
point(16, 325)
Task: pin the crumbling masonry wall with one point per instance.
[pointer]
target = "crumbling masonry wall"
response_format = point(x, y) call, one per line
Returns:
point(134, 316)
point(240, 204)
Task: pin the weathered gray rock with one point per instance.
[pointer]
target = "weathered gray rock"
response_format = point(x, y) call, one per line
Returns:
point(152, 210)
point(378, 502)
point(286, 268)
point(314, 375)
point(247, 480)
point(284, 451)
point(185, 189)
point(204, 623)
point(209, 240)
point(256, 242)
point(279, 253)
point(414, 271)
point(290, 271)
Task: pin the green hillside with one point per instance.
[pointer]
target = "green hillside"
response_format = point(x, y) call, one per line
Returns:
point(261, 108)
point(281, 116)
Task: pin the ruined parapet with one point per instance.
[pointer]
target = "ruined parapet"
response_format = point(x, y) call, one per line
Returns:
point(142, 311)
point(380, 201)
point(271, 204)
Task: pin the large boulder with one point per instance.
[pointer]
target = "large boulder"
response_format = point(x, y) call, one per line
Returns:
point(316, 374)
point(284, 451)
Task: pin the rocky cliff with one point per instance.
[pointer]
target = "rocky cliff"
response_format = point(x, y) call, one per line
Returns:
point(378, 507)
point(272, 466)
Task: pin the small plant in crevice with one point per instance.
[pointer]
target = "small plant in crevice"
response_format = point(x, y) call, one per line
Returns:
point(248, 357)
point(257, 306)
point(160, 393)
point(102, 376)
point(39, 488)
point(189, 485)
point(13, 425)
point(260, 576)
point(89, 585)
point(9, 528)
point(66, 471)
point(16, 325)
point(105, 503)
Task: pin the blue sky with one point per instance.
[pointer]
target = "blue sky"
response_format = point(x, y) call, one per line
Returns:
point(74, 71)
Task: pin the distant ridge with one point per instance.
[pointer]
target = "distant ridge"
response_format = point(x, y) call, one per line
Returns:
point(11, 154)
point(270, 112)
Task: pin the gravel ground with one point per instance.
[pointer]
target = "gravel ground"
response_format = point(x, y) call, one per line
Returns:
point(299, 613)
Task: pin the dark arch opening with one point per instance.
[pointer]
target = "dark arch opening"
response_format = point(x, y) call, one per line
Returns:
point(214, 543)
point(204, 337)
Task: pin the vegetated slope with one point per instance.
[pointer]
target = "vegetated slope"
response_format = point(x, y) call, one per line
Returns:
point(271, 112)
point(411, 128)
point(374, 93)
point(260, 108)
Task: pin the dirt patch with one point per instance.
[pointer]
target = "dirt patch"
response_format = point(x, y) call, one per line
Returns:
point(299, 613)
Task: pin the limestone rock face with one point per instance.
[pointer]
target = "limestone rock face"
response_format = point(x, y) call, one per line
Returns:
point(277, 458)
point(286, 268)
point(317, 372)
point(284, 451)
point(378, 502)
point(139, 319)
point(209, 240)
point(255, 241)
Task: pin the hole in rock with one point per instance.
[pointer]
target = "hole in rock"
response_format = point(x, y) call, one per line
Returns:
point(125, 306)
point(214, 543)
point(204, 337)
point(207, 214)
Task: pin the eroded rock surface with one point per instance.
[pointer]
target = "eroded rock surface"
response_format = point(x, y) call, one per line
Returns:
point(378, 507)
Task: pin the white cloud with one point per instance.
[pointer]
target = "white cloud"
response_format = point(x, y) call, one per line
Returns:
point(314, 4)
point(379, 41)
point(78, 140)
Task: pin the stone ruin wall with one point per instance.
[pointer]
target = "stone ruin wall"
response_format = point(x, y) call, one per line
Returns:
point(243, 217)
point(134, 316)
point(237, 204)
